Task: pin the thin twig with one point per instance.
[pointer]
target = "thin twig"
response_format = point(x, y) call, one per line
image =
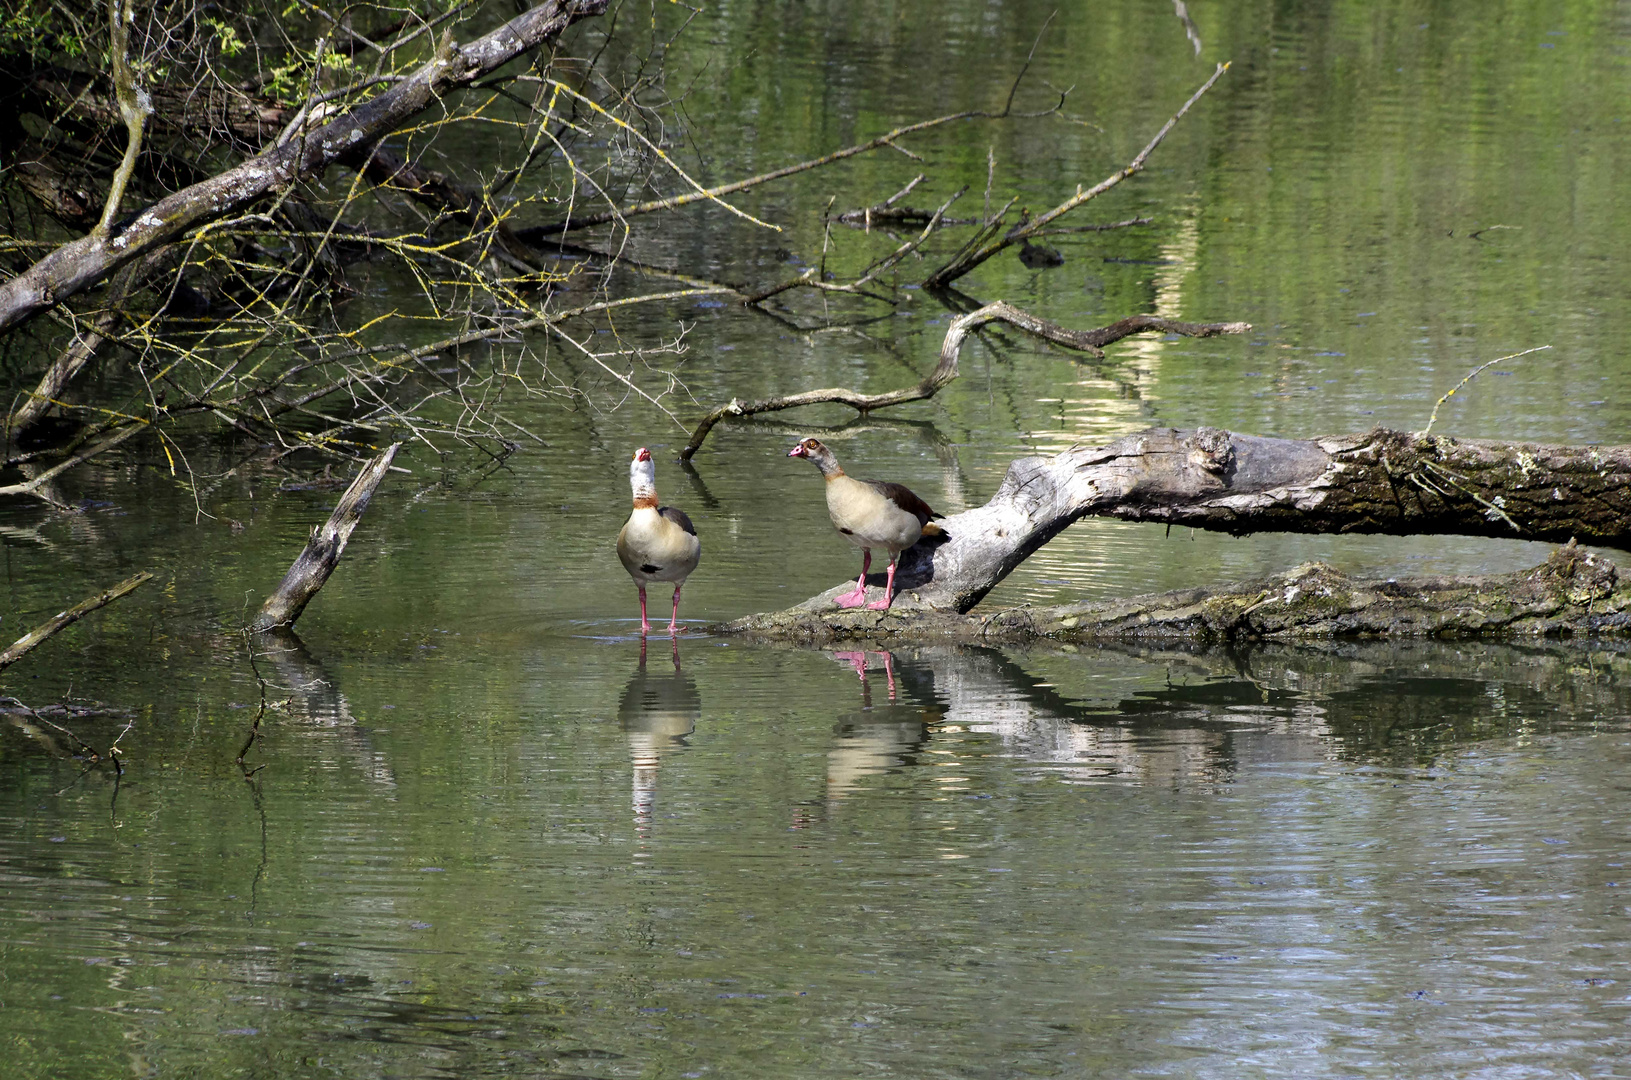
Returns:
point(714, 193)
point(969, 258)
point(1452, 392)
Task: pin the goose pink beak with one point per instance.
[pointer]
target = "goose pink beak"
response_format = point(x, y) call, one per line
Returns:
point(797, 451)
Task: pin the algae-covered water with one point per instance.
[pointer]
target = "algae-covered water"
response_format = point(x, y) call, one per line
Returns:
point(488, 831)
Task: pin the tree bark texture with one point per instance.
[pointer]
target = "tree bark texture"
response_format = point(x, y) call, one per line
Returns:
point(322, 552)
point(79, 264)
point(1381, 481)
point(1573, 593)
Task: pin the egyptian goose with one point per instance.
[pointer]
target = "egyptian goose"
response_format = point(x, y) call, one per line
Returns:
point(869, 514)
point(657, 543)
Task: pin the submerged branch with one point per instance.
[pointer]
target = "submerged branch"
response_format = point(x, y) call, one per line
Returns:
point(38, 486)
point(22, 645)
point(715, 193)
point(975, 254)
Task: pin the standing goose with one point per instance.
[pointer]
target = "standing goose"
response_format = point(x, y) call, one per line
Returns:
point(869, 514)
point(657, 543)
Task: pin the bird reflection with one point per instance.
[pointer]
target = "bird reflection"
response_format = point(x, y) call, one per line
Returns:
point(877, 738)
point(858, 660)
point(658, 710)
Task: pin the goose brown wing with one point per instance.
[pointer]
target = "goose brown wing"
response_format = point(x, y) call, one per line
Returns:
point(903, 497)
point(677, 516)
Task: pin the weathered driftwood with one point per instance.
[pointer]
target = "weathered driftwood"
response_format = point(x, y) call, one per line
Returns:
point(67, 618)
point(1089, 341)
point(1573, 593)
point(322, 553)
point(77, 265)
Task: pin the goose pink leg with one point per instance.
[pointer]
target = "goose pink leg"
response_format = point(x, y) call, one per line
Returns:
point(858, 597)
point(888, 590)
point(674, 620)
point(645, 624)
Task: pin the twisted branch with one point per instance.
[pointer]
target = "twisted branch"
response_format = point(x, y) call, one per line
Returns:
point(1089, 341)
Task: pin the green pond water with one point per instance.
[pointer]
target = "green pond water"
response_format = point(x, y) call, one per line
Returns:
point(493, 833)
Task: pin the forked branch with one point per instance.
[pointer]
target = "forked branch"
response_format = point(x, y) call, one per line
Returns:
point(1089, 341)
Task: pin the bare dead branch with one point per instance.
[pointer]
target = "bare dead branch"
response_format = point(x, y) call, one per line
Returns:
point(676, 201)
point(22, 645)
point(809, 279)
point(973, 256)
point(76, 265)
point(37, 485)
point(1091, 341)
point(75, 356)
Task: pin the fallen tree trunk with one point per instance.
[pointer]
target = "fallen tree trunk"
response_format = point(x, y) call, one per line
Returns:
point(1381, 481)
point(1573, 593)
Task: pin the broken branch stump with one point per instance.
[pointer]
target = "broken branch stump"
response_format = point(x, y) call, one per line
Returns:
point(322, 553)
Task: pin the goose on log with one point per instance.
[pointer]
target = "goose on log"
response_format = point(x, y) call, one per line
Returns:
point(870, 514)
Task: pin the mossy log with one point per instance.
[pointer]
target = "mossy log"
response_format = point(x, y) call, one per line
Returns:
point(1573, 592)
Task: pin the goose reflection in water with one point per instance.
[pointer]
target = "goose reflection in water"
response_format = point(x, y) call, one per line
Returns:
point(878, 737)
point(658, 710)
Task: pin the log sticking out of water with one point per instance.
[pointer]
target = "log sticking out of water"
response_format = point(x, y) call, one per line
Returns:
point(322, 553)
point(67, 618)
point(1573, 593)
